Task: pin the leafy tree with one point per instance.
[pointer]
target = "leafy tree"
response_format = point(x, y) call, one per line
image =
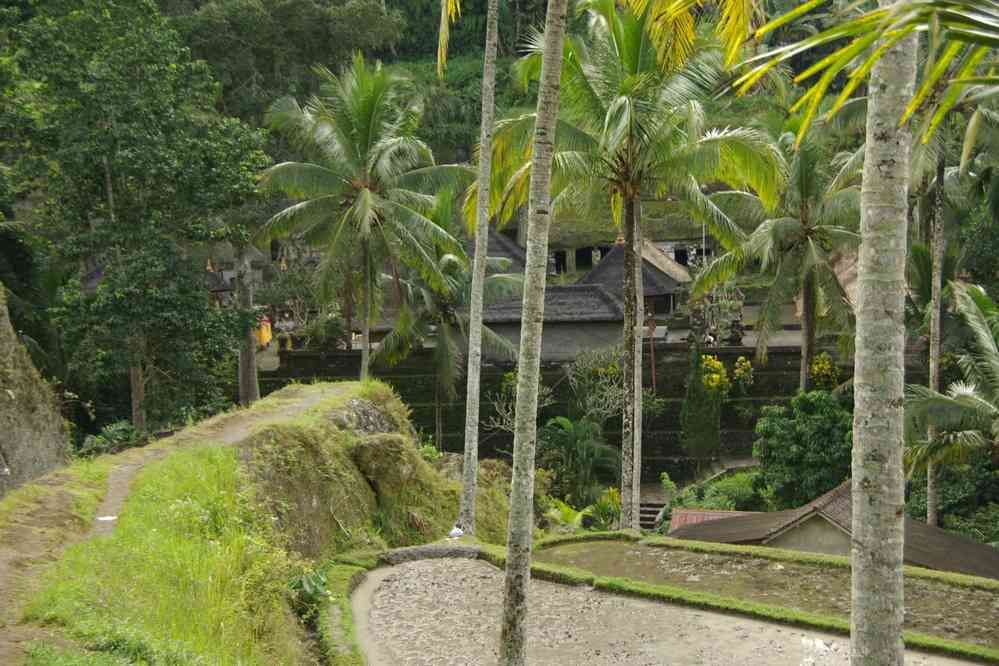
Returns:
point(139, 160)
point(798, 248)
point(154, 297)
point(804, 449)
point(357, 196)
point(260, 50)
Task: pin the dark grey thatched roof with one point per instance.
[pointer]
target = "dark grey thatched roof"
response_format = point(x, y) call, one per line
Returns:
point(501, 247)
point(925, 546)
point(660, 274)
point(569, 304)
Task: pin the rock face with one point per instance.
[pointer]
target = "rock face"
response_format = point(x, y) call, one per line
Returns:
point(32, 432)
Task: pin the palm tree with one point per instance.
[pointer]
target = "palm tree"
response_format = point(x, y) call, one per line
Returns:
point(449, 10)
point(962, 33)
point(815, 225)
point(356, 194)
point(632, 131)
point(520, 535)
point(878, 479)
point(440, 315)
point(967, 415)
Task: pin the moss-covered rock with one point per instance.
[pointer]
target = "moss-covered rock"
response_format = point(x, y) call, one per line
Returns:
point(34, 437)
point(353, 479)
point(304, 478)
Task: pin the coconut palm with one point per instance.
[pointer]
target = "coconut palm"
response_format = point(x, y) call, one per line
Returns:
point(880, 51)
point(967, 415)
point(357, 193)
point(520, 534)
point(963, 35)
point(440, 315)
point(632, 131)
point(450, 9)
point(815, 224)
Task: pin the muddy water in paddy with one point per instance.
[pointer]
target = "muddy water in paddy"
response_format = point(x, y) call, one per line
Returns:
point(931, 607)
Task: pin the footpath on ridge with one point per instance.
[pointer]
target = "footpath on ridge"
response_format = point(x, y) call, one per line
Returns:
point(35, 537)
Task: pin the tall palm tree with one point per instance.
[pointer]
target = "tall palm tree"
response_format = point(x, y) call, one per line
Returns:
point(633, 131)
point(449, 10)
point(816, 223)
point(440, 316)
point(357, 192)
point(967, 415)
point(878, 480)
point(520, 534)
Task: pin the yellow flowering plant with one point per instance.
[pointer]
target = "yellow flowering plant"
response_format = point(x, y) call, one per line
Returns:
point(742, 375)
point(825, 372)
point(715, 375)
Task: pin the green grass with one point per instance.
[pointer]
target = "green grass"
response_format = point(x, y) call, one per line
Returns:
point(337, 635)
point(584, 537)
point(85, 480)
point(46, 655)
point(190, 575)
point(801, 557)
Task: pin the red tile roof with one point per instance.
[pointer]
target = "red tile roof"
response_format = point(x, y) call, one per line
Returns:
point(681, 517)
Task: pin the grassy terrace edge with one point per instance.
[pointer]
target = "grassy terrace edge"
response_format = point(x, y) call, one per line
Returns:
point(764, 552)
point(554, 573)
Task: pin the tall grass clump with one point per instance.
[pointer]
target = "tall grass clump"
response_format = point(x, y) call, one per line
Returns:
point(191, 573)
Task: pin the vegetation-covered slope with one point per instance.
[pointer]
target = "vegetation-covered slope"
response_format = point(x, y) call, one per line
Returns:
point(215, 556)
point(34, 435)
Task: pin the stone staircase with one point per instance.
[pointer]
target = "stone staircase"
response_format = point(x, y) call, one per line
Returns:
point(647, 513)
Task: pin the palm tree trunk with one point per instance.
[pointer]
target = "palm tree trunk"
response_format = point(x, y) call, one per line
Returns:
point(637, 383)
point(249, 385)
point(513, 636)
point(878, 482)
point(807, 330)
point(936, 282)
point(438, 422)
point(366, 311)
point(628, 368)
point(470, 468)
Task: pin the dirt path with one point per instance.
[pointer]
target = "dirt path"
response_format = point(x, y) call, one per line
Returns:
point(445, 612)
point(38, 537)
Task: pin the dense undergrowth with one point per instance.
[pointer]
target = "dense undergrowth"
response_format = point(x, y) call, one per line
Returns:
point(222, 555)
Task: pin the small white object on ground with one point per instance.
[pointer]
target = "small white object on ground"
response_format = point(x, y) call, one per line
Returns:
point(456, 532)
point(106, 518)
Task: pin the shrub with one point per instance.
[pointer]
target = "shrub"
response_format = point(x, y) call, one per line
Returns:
point(606, 511)
point(825, 373)
point(742, 375)
point(430, 453)
point(561, 514)
point(983, 525)
point(114, 437)
point(596, 382)
point(701, 414)
point(744, 489)
point(804, 450)
point(578, 458)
